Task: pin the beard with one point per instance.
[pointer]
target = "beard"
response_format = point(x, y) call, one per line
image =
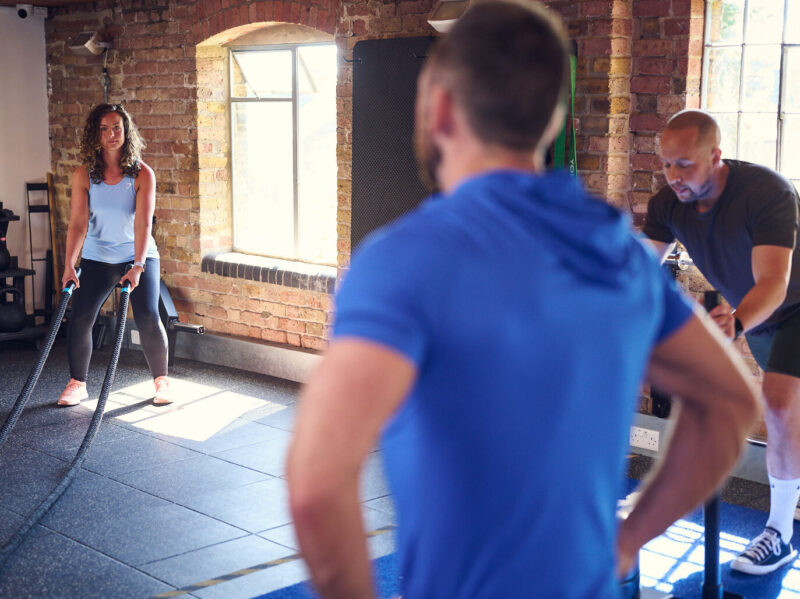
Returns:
point(703, 192)
point(429, 157)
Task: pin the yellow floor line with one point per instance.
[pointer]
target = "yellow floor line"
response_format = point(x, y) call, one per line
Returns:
point(252, 569)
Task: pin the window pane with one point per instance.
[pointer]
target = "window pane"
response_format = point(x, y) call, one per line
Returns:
point(725, 21)
point(727, 125)
point(792, 25)
point(317, 153)
point(764, 21)
point(263, 190)
point(722, 91)
point(759, 134)
point(790, 140)
point(266, 74)
point(761, 78)
point(791, 83)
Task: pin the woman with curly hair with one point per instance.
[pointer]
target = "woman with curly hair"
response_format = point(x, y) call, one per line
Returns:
point(111, 215)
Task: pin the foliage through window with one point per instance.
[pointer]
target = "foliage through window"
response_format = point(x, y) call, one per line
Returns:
point(751, 80)
point(283, 145)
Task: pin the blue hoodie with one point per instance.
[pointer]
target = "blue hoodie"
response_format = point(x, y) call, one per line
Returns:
point(529, 310)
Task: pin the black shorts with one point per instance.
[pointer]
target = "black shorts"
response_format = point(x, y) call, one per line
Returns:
point(777, 349)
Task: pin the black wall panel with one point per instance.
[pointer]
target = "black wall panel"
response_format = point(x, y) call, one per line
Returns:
point(385, 181)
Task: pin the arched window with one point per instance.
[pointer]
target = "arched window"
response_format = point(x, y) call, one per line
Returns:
point(283, 147)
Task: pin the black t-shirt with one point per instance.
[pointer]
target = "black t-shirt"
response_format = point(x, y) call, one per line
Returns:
point(757, 207)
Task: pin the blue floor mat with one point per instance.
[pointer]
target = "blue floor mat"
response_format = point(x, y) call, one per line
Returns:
point(674, 561)
point(671, 563)
point(385, 570)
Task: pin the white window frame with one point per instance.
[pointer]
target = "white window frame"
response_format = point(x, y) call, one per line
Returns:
point(781, 114)
point(295, 127)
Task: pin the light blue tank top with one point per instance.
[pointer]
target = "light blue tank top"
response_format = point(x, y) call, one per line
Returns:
point(111, 212)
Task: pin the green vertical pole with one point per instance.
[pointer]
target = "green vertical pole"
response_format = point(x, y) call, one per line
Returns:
point(559, 146)
point(573, 156)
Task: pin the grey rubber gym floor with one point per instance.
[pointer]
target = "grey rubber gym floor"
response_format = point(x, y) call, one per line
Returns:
point(169, 496)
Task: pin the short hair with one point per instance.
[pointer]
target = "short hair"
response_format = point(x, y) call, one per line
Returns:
point(506, 64)
point(92, 153)
point(707, 128)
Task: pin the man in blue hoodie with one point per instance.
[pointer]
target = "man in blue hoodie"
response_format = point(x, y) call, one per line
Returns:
point(496, 338)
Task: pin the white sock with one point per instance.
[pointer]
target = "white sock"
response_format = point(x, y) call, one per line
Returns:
point(783, 496)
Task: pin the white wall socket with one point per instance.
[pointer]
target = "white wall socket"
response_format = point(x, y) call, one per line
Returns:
point(136, 341)
point(644, 438)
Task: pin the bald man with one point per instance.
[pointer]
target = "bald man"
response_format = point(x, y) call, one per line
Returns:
point(739, 223)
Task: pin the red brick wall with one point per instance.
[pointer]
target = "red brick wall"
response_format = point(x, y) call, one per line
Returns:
point(174, 85)
point(172, 78)
point(667, 60)
point(602, 31)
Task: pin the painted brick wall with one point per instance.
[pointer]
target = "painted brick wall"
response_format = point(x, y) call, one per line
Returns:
point(170, 71)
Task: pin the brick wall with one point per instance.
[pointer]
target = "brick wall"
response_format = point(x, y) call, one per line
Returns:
point(169, 69)
point(602, 31)
point(667, 60)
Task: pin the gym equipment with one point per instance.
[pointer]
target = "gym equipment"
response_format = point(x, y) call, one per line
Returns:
point(33, 377)
point(12, 315)
point(661, 403)
point(385, 175)
point(15, 277)
point(25, 326)
point(169, 316)
point(678, 260)
point(29, 524)
point(6, 216)
point(45, 302)
point(712, 579)
point(5, 255)
point(569, 121)
point(51, 211)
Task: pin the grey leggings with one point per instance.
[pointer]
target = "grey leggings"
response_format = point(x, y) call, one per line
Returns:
point(97, 281)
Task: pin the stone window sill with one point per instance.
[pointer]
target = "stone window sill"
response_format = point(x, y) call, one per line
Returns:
point(300, 275)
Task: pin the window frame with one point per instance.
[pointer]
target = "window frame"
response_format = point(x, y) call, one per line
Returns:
point(293, 47)
point(744, 45)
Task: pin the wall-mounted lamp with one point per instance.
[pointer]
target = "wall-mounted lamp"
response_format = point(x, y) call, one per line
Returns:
point(88, 43)
point(446, 13)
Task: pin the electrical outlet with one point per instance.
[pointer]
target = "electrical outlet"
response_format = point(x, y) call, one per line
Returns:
point(135, 339)
point(644, 438)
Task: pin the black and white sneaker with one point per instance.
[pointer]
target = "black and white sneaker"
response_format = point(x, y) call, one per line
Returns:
point(766, 553)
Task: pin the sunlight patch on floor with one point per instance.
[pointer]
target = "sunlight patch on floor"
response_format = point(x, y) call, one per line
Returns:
point(198, 412)
point(679, 553)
